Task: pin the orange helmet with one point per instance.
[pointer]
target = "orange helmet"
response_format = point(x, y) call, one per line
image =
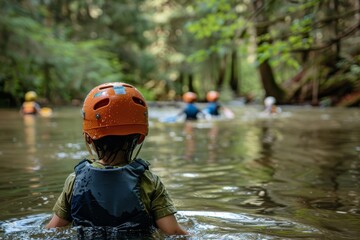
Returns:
point(212, 96)
point(115, 109)
point(189, 97)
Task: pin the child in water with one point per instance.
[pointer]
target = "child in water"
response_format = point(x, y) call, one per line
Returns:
point(116, 190)
point(30, 106)
point(270, 107)
point(191, 111)
point(214, 108)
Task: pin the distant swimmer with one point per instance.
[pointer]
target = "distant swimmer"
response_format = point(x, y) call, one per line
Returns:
point(270, 107)
point(191, 111)
point(214, 108)
point(30, 106)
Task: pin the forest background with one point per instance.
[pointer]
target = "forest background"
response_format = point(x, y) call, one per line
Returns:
point(299, 51)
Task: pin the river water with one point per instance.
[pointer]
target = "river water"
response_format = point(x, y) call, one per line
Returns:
point(291, 176)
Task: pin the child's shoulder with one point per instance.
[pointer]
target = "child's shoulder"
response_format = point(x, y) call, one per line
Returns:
point(150, 176)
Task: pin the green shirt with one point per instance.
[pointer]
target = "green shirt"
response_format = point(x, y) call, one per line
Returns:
point(152, 192)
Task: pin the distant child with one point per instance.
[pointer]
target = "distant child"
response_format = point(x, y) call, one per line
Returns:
point(191, 111)
point(270, 107)
point(117, 190)
point(30, 106)
point(214, 108)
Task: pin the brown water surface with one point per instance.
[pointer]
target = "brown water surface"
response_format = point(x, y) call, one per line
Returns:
point(296, 175)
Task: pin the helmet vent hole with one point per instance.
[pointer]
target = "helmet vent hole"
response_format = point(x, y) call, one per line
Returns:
point(107, 86)
point(139, 101)
point(101, 103)
point(127, 85)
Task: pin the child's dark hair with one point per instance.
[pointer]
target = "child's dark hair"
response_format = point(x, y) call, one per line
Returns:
point(108, 147)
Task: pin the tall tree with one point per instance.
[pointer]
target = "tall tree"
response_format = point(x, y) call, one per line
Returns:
point(234, 78)
point(262, 29)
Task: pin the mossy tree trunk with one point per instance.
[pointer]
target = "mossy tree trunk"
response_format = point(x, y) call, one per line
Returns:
point(234, 77)
point(266, 73)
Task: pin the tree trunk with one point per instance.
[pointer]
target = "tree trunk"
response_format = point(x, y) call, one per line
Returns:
point(191, 83)
point(357, 15)
point(47, 81)
point(336, 49)
point(234, 81)
point(315, 92)
point(221, 76)
point(181, 82)
point(267, 77)
point(268, 81)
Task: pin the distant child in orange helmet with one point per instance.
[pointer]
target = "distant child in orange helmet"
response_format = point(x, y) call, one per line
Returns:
point(30, 106)
point(191, 111)
point(117, 190)
point(214, 108)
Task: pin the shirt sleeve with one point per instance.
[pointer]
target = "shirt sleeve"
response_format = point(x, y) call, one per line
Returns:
point(62, 205)
point(156, 198)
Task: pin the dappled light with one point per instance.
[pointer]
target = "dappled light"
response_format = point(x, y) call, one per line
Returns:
point(248, 112)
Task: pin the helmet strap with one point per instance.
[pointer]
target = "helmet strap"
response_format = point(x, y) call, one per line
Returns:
point(89, 145)
point(137, 152)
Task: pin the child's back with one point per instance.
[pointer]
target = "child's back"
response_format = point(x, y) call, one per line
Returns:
point(191, 111)
point(117, 190)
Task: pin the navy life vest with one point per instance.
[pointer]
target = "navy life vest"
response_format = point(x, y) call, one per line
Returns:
point(109, 197)
point(213, 108)
point(191, 111)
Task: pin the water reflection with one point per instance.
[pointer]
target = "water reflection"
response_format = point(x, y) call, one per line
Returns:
point(213, 142)
point(30, 135)
point(190, 140)
point(203, 134)
point(296, 176)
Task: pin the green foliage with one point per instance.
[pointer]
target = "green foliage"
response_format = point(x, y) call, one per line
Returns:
point(148, 94)
point(278, 53)
point(64, 48)
point(349, 70)
point(199, 56)
point(250, 81)
point(219, 20)
point(303, 6)
point(41, 60)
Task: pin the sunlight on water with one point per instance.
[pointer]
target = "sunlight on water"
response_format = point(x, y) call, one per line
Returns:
point(295, 175)
point(201, 225)
point(246, 223)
